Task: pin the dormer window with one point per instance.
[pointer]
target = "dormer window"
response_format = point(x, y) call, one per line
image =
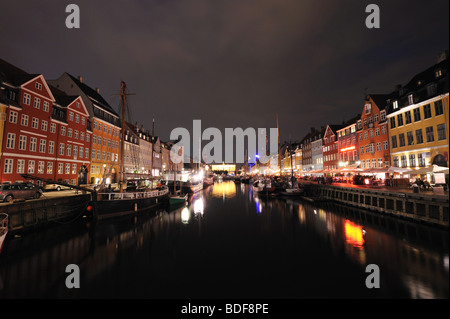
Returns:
point(410, 99)
point(395, 105)
point(438, 73)
point(368, 108)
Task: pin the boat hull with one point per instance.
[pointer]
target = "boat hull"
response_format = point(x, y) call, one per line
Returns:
point(104, 208)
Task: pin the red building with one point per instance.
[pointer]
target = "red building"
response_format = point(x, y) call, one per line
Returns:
point(46, 133)
point(331, 147)
point(73, 141)
point(348, 144)
point(28, 130)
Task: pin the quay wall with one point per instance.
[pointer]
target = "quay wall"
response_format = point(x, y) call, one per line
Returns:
point(34, 214)
point(431, 209)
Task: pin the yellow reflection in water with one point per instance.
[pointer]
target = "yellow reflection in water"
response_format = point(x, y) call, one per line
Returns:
point(225, 189)
point(185, 215)
point(354, 234)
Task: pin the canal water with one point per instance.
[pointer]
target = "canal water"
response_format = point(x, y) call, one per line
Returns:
point(228, 243)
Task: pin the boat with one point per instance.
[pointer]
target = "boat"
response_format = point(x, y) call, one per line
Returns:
point(208, 181)
point(186, 181)
point(291, 192)
point(107, 203)
point(3, 228)
point(237, 180)
point(177, 199)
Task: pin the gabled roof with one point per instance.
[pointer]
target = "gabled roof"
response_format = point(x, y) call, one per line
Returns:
point(13, 75)
point(93, 95)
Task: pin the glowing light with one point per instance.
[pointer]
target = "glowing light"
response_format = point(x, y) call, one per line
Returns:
point(198, 206)
point(185, 215)
point(348, 148)
point(354, 234)
point(225, 189)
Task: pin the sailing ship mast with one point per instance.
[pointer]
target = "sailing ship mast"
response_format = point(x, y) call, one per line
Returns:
point(123, 98)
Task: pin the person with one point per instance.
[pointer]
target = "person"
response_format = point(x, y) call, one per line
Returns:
point(426, 184)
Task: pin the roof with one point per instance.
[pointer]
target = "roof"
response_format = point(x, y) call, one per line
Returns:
point(13, 75)
point(93, 95)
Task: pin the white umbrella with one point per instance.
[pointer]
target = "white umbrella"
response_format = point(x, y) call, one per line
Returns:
point(430, 169)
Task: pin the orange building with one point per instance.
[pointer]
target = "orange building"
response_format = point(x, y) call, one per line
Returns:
point(372, 131)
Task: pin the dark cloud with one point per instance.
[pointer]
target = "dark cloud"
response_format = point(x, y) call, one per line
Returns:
point(230, 63)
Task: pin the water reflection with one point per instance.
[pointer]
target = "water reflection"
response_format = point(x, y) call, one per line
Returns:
point(225, 189)
point(142, 256)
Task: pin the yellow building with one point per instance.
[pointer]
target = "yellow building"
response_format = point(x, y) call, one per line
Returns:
point(230, 168)
point(418, 120)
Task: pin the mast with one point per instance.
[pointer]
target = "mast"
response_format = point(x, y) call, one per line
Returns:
point(123, 98)
point(279, 155)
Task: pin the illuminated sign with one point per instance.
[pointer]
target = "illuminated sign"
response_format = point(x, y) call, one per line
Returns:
point(348, 148)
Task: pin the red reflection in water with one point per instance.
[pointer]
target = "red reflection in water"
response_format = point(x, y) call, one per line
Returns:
point(354, 234)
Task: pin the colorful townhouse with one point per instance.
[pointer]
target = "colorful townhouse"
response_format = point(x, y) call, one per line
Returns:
point(106, 127)
point(418, 119)
point(348, 144)
point(70, 123)
point(373, 136)
point(331, 147)
point(27, 126)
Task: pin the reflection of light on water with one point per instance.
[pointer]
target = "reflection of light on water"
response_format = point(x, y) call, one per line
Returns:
point(446, 262)
point(417, 289)
point(185, 215)
point(198, 206)
point(258, 206)
point(224, 190)
point(354, 234)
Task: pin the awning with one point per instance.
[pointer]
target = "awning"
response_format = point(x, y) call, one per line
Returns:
point(430, 169)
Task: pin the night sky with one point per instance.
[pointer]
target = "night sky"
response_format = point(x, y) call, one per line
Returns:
point(230, 63)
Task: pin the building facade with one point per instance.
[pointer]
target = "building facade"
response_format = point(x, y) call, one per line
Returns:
point(331, 147)
point(372, 130)
point(418, 119)
point(348, 144)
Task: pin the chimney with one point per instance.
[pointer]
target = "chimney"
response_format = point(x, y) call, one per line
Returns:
point(80, 78)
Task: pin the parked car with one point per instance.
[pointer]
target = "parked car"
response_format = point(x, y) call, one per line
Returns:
point(57, 187)
point(9, 192)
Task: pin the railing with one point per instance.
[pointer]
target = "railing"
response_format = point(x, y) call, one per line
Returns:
point(134, 195)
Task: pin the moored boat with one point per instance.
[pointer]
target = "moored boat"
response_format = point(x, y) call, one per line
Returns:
point(177, 199)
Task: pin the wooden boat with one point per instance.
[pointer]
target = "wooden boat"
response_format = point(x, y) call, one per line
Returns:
point(177, 199)
point(3, 228)
point(291, 192)
point(208, 181)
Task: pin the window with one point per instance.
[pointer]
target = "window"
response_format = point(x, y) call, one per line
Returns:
point(378, 147)
point(13, 117)
point(407, 117)
point(412, 160)
point(37, 103)
point(69, 132)
point(392, 122)
point(410, 137)
point(49, 168)
point(31, 167)
point(365, 135)
point(24, 120)
point(368, 163)
point(74, 168)
point(394, 141)
point(421, 159)
point(61, 148)
point(42, 146)
point(426, 111)
point(52, 128)
point(410, 99)
point(75, 151)
point(382, 115)
point(8, 166)
point(396, 161)
point(67, 168)
point(430, 134)
point(70, 116)
point(404, 162)
point(51, 147)
point(11, 140)
point(60, 168)
point(38, 85)
point(26, 98)
point(400, 119)
point(416, 114)
point(76, 134)
point(395, 105)
point(81, 151)
point(359, 125)
point(20, 166)
point(22, 143)
point(35, 123)
point(385, 145)
point(441, 132)
point(46, 106)
point(69, 150)
point(361, 136)
point(383, 130)
point(93, 154)
point(41, 165)
point(419, 136)
point(377, 131)
point(380, 163)
point(77, 118)
point(375, 118)
point(44, 125)
point(371, 133)
point(374, 162)
point(33, 144)
point(438, 110)
point(401, 139)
